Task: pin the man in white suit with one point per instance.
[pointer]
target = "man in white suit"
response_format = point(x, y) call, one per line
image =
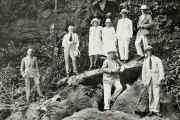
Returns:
point(152, 74)
point(124, 34)
point(70, 44)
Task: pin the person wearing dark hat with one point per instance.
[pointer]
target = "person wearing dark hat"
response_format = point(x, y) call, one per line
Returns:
point(144, 24)
point(124, 33)
point(95, 42)
point(111, 77)
point(152, 75)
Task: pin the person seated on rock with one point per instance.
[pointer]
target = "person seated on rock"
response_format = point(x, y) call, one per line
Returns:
point(111, 77)
point(95, 42)
point(29, 70)
point(70, 44)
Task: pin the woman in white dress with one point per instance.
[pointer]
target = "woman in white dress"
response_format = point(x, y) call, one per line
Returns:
point(95, 42)
point(108, 37)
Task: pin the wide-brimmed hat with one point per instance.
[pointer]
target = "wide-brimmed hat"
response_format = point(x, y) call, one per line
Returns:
point(144, 7)
point(108, 20)
point(95, 20)
point(148, 48)
point(124, 11)
point(111, 51)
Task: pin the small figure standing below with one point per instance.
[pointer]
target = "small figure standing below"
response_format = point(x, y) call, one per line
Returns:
point(29, 70)
point(95, 42)
point(144, 24)
point(111, 77)
point(108, 37)
point(124, 34)
point(152, 74)
point(70, 43)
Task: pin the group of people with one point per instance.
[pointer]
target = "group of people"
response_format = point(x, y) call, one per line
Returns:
point(108, 42)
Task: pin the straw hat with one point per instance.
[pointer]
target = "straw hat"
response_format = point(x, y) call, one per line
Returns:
point(149, 48)
point(95, 20)
point(124, 11)
point(111, 51)
point(144, 7)
point(108, 20)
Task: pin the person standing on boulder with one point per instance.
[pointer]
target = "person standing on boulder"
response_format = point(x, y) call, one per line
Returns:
point(108, 37)
point(144, 25)
point(70, 44)
point(95, 42)
point(152, 75)
point(111, 77)
point(29, 70)
point(124, 33)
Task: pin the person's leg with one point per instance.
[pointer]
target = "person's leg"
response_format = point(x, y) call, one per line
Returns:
point(66, 57)
point(150, 92)
point(91, 61)
point(74, 63)
point(121, 49)
point(27, 87)
point(156, 97)
point(138, 44)
point(107, 94)
point(126, 55)
point(145, 41)
point(95, 60)
point(36, 81)
point(118, 89)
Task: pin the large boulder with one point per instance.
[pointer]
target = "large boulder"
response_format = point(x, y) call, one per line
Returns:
point(78, 99)
point(95, 114)
point(127, 101)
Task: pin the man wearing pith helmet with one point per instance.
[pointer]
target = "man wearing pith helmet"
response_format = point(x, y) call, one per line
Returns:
point(124, 34)
point(144, 25)
point(152, 75)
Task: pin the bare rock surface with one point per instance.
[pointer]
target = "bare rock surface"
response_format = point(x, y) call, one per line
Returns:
point(94, 114)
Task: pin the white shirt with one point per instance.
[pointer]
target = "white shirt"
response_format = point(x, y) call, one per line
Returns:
point(74, 44)
point(156, 73)
point(124, 28)
point(109, 39)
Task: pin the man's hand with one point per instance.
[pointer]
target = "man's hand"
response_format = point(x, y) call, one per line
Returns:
point(122, 68)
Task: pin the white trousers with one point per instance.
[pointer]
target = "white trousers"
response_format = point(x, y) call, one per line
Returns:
point(107, 84)
point(123, 44)
point(67, 55)
point(141, 38)
point(154, 97)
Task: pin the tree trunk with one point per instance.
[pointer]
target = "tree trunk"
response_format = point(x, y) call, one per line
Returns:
point(74, 80)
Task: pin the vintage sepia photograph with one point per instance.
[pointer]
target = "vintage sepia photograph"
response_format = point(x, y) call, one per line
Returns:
point(89, 59)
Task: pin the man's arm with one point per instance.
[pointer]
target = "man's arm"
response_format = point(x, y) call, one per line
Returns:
point(77, 41)
point(22, 67)
point(139, 23)
point(117, 30)
point(105, 69)
point(144, 73)
point(131, 29)
point(161, 71)
point(149, 23)
point(64, 41)
point(36, 63)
